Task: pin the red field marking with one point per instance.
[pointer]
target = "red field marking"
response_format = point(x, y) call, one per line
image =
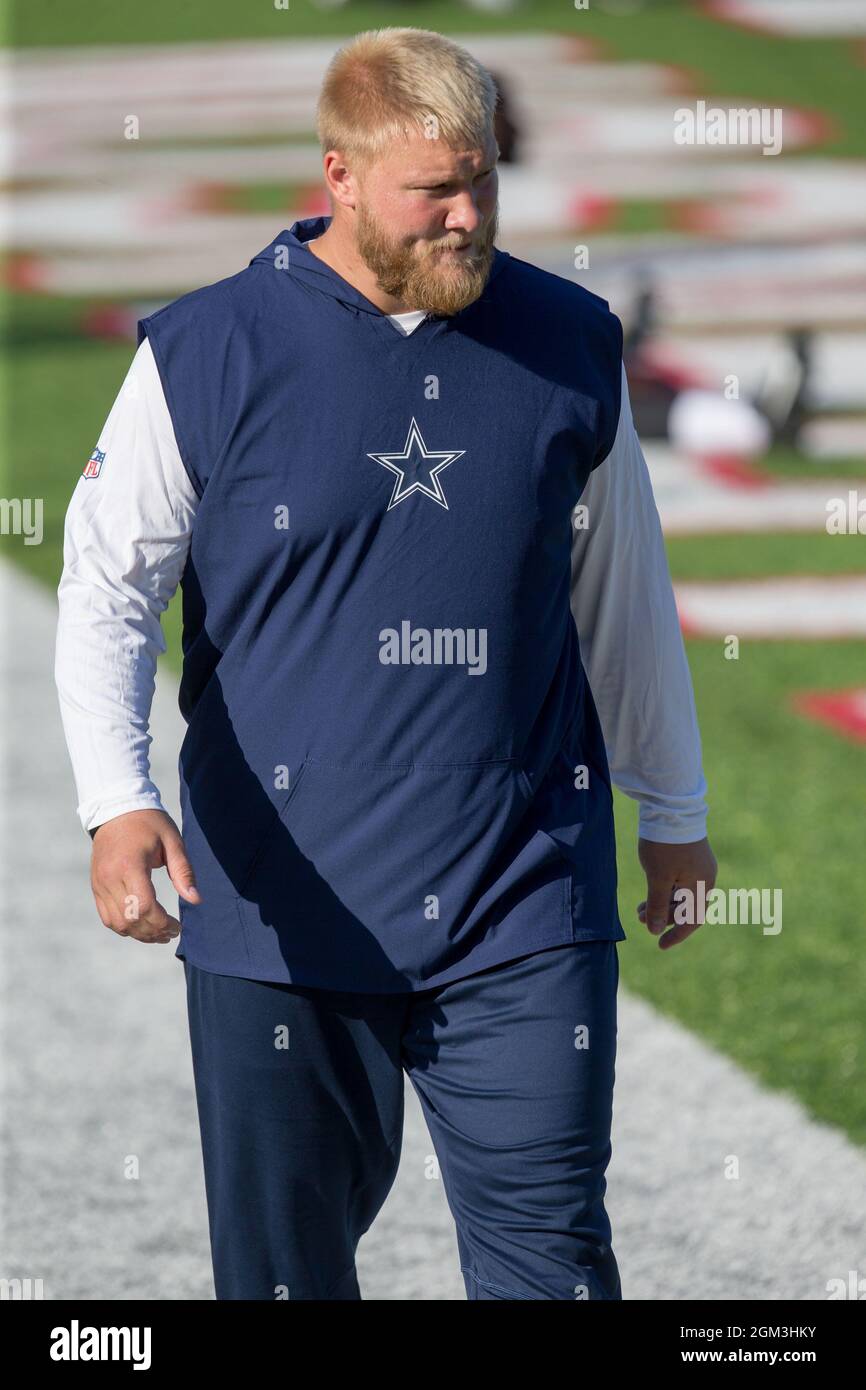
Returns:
point(313, 202)
point(574, 50)
point(842, 710)
point(687, 628)
point(25, 272)
point(718, 11)
point(592, 212)
point(206, 197)
point(709, 217)
point(735, 471)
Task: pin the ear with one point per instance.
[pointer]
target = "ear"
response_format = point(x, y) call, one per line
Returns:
point(341, 181)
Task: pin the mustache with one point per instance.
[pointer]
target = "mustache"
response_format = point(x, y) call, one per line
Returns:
point(480, 245)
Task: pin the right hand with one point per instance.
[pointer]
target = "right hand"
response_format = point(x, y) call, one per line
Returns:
point(125, 850)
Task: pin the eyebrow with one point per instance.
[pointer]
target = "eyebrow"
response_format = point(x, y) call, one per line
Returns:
point(447, 177)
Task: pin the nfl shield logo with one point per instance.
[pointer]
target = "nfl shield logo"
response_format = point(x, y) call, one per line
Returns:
point(94, 463)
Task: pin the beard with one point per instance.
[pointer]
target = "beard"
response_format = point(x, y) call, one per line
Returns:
point(436, 280)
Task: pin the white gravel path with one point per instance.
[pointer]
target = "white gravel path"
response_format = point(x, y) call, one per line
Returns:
point(96, 1068)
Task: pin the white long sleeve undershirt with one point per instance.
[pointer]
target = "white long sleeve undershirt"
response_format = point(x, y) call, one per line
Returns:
point(125, 544)
point(631, 644)
point(126, 540)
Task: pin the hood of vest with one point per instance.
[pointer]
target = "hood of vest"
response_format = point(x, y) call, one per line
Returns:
point(304, 266)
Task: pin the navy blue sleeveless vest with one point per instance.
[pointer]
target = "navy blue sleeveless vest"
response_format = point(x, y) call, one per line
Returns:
point(393, 773)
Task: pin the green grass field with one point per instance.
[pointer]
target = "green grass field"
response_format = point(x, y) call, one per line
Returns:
point(785, 794)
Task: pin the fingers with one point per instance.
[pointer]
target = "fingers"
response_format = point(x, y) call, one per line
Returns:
point(679, 877)
point(684, 913)
point(127, 904)
point(677, 934)
point(652, 921)
point(146, 917)
point(179, 868)
point(659, 905)
point(126, 850)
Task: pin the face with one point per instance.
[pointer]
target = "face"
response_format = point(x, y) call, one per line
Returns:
point(426, 219)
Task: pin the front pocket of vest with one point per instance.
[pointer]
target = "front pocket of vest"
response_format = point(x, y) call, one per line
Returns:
point(279, 817)
point(393, 847)
point(578, 822)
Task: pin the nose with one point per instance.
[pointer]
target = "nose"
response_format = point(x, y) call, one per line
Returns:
point(464, 215)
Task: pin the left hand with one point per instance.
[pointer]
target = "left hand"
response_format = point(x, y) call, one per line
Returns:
point(669, 868)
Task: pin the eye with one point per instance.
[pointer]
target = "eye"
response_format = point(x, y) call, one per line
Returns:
point(440, 187)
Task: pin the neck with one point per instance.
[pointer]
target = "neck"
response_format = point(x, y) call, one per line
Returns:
point(338, 251)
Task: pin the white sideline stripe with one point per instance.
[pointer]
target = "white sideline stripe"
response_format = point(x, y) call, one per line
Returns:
point(804, 18)
point(98, 1067)
point(832, 438)
point(837, 374)
point(798, 606)
point(692, 500)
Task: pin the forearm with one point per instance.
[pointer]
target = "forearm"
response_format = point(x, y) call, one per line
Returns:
point(632, 647)
point(126, 537)
point(104, 673)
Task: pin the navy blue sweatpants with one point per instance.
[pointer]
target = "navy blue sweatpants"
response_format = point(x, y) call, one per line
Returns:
point(300, 1102)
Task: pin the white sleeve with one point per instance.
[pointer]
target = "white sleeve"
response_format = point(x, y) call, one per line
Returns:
point(631, 644)
point(126, 537)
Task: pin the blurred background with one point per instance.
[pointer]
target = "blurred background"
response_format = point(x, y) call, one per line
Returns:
point(154, 148)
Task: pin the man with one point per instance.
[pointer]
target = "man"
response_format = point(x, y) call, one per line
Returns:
point(361, 456)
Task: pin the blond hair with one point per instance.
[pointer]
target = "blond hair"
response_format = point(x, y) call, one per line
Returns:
point(386, 83)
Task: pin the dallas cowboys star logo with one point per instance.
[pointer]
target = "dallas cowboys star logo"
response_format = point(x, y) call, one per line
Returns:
point(414, 462)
